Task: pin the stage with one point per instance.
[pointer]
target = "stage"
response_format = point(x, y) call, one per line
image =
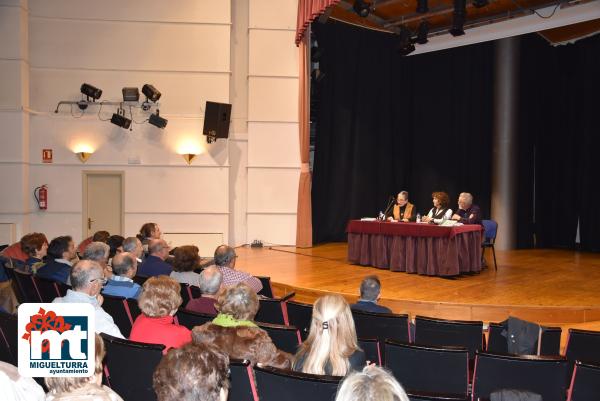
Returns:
point(553, 287)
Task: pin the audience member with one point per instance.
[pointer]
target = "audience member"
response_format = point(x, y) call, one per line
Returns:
point(194, 372)
point(467, 212)
point(210, 284)
point(134, 246)
point(99, 236)
point(115, 242)
point(372, 384)
point(149, 231)
point(225, 258)
point(370, 288)
point(35, 245)
point(98, 252)
point(61, 252)
point(87, 280)
point(331, 347)
point(185, 262)
point(159, 301)
point(18, 388)
point(82, 388)
point(14, 252)
point(234, 332)
point(124, 267)
point(154, 264)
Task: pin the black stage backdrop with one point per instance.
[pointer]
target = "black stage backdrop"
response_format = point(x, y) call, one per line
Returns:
point(388, 123)
point(559, 131)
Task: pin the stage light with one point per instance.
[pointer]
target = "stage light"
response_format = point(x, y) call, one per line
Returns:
point(157, 120)
point(405, 44)
point(131, 94)
point(458, 17)
point(422, 7)
point(151, 93)
point(361, 8)
point(480, 3)
point(91, 91)
point(119, 119)
point(423, 32)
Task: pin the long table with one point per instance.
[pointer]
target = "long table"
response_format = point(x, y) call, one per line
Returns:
point(415, 247)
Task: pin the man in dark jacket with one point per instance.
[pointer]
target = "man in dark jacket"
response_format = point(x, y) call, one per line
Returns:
point(370, 288)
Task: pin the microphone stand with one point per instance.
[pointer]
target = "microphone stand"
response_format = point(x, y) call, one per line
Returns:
point(387, 208)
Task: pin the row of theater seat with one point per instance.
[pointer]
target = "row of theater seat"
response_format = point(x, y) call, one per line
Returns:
point(428, 373)
point(441, 367)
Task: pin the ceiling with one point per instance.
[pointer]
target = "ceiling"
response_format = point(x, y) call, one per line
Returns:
point(390, 15)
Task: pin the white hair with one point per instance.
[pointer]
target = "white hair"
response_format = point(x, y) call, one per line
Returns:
point(467, 197)
point(372, 384)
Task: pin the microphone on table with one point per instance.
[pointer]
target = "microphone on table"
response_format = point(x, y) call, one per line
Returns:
point(390, 203)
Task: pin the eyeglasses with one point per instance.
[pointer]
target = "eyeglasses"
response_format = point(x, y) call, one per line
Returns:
point(101, 280)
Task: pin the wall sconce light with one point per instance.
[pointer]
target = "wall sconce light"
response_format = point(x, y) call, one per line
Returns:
point(188, 157)
point(84, 156)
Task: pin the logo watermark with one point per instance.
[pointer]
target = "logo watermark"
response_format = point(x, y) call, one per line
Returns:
point(56, 340)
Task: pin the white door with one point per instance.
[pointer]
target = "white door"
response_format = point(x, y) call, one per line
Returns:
point(102, 202)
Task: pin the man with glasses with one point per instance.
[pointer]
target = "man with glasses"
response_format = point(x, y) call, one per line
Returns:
point(154, 264)
point(87, 279)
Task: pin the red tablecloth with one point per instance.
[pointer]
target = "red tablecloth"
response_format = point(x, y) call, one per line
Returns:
point(415, 248)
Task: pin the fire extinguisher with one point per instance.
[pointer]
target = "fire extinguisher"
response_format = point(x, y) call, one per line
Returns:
point(41, 196)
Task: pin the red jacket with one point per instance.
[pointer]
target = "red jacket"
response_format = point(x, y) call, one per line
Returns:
point(160, 330)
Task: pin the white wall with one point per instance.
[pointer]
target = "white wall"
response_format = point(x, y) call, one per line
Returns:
point(273, 148)
point(236, 51)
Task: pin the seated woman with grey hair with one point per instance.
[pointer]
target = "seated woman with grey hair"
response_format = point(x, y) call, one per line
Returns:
point(234, 332)
point(372, 384)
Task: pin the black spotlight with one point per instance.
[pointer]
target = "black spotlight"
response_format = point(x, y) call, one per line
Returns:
point(480, 3)
point(459, 16)
point(91, 91)
point(151, 93)
point(362, 8)
point(423, 32)
point(131, 94)
point(405, 44)
point(119, 119)
point(157, 120)
point(422, 7)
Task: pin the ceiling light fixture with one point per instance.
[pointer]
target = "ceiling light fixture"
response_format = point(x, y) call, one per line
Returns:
point(405, 44)
point(459, 15)
point(362, 8)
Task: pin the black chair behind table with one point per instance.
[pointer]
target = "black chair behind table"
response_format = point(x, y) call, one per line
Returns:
point(8, 338)
point(550, 344)
point(267, 290)
point(372, 350)
point(130, 366)
point(118, 308)
point(489, 237)
point(189, 292)
point(300, 315)
point(585, 384)
point(48, 289)
point(382, 326)
point(191, 319)
point(242, 386)
point(285, 385)
point(273, 310)
point(441, 370)
point(423, 396)
point(456, 333)
point(583, 345)
point(285, 338)
point(544, 375)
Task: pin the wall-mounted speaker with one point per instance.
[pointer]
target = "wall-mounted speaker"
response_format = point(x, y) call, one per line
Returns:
point(216, 120)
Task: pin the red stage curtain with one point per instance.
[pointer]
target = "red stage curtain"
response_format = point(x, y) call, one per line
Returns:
point(304, 215)
point(308, 10)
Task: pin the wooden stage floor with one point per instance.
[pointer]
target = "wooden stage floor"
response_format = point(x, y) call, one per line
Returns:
point(547, 286)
